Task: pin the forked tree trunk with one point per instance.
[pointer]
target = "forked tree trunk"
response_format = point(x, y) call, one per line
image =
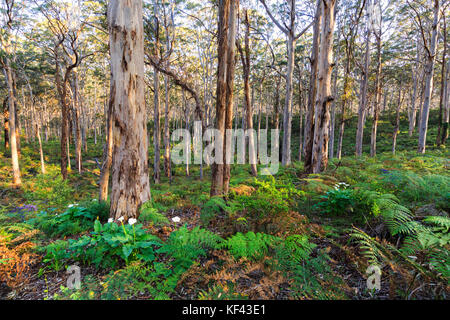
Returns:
point(130, 186)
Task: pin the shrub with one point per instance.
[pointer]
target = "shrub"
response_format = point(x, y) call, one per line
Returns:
point(72, 221)
point(110, 244)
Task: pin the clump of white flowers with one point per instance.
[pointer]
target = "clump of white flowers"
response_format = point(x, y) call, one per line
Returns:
point(120, 219)
point(110, 220)
point(132, 221)
point(176, 219)
point(72, 205)
point(341, 186)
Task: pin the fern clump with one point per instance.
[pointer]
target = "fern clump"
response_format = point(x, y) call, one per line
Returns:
point(185, 245)
point(250, 245)
point(214, 207)
point(152, 215)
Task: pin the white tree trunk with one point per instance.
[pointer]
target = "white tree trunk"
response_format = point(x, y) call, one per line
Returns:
point(130, 181)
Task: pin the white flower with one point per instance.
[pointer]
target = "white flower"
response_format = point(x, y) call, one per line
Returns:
point(120, 219)
point(176, 219)
point(110, 220)
point(94, 199)
point(70, 206)
point(132, 221)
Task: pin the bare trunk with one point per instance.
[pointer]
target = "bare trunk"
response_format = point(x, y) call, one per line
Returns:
point(322, 118)
point(310, 116)
point(130, 181)
point(225, 83)
point(12, 124)
point(363, 101)
point(429, 79)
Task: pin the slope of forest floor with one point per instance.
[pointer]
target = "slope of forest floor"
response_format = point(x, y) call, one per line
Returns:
point(290, 236)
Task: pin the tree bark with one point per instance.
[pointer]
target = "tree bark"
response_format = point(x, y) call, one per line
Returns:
point(225, 84)
point(130, 186)
point(310, 116)
point(431, 54)
point(324, 98)
point(363, 100)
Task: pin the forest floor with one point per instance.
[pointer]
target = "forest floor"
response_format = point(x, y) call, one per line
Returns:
point(290, 236)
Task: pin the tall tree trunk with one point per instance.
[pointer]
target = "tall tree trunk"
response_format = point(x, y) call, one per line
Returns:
point(397, 121)
point(363, 100)
point(107, 151)
point(322, 118)
point(413, 111)
point(130, 181)
point(443, 85)
point(310, 116)
point(245, 58)
point(446, 104)
point(429, 79)
point(167, 167)
point(225, 84)
point(156, 130)
point(12, 122)
point(6, 122)
point(333, 105)
point(376, 111)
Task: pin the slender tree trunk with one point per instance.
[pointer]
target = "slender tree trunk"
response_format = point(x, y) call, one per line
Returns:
point(245, 57)
point(310, 116)
point(156, 131)
point(376, 111)
point(130, 180)
point(443, 85)
point(363, 100)
point(6, 122)
point(333, 105)
point(413, 111)
point(107, 152)
point(12, 123)
point(167, 167)
point(397, 121)
point(446, 104)
point(224, 95)
point(429, 79)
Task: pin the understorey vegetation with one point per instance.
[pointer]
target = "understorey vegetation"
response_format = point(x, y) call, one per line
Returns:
point(287, 236)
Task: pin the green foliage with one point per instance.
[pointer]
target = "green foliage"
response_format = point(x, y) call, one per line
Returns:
point(110, 244)
point(412, 187)
point(154, 281)
point(152, 215)
point(269, 201)
point(74, 220)
point(214, 207)
point(250, 245)
point(55, 254)
point(185, 245)
point(53, 190)
point(336, 202)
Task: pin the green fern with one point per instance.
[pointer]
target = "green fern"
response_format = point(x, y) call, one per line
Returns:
point(250, 245)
